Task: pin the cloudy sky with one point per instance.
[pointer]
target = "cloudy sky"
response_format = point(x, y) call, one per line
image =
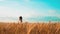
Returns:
point(29, 8)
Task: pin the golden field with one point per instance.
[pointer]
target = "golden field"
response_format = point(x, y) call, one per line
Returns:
point(29, 28)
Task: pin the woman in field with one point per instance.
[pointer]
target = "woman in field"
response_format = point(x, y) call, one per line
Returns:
point(20, 18)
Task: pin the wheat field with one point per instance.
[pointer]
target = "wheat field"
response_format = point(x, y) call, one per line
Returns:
point(29, 28)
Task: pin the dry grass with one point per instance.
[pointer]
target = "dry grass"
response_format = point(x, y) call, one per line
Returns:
point(29, 28)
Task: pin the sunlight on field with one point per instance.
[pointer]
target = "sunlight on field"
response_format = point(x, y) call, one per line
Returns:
point(29, 28)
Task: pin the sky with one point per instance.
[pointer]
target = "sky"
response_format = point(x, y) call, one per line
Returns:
point(29, 8)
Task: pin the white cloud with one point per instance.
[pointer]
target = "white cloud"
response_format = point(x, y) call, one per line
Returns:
point(6, 11)
point(2, 0)
point(52, 11)
point(23, 11)
point(48, 13)
point(13, 12)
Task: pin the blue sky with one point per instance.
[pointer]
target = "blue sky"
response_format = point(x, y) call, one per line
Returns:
point(29, 8)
